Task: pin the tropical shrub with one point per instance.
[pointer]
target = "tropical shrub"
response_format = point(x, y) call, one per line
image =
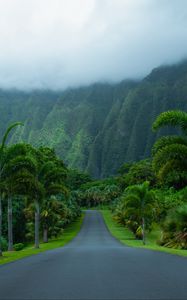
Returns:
point(137, 173)
point(18, 246)
point(168, 199)
point(76, 178)
point(137, 209)
point(4, 244)
point(175, 229)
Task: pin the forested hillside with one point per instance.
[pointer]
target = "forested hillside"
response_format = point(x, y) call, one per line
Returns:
point(97, 128)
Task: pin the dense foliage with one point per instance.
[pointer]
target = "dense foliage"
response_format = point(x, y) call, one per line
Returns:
point(36, 193)
point(101, 192)
point(149, 192)
point(137, 208)
point(170, 152)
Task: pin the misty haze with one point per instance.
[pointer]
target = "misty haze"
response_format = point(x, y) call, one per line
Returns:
point(57, 44)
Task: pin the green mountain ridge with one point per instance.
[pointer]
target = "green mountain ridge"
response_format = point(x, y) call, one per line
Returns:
point(98, 127)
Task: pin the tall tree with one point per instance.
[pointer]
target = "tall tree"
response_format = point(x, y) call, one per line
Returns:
point(52, 175)
point(48, 181)
point(139, 206)
point(2, 162)
point(54, 215)
point(19, 164)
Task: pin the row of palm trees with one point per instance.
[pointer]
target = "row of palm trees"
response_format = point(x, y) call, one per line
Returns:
point(34, 174)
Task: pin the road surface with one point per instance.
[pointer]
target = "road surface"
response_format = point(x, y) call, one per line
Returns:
point(95, 266)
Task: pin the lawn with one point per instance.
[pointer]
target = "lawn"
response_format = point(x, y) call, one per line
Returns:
point(126, 236)
point(69, 233)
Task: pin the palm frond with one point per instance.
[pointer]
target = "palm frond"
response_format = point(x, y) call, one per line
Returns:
point(8, 131)
point(166, 141)
point(171, 118)
point(170, 152)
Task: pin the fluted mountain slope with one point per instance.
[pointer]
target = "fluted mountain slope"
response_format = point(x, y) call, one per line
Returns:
point(98, 127)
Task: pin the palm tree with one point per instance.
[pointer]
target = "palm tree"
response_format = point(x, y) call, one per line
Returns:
point(50, 176)
point(19, 165)
point(2, 162)
point(28, 184)
point(53, 216)
point(139, 206)
point(170, 152)
point(50, 191)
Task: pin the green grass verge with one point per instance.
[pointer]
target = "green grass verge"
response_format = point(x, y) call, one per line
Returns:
point(69, 233)
point(126, 236)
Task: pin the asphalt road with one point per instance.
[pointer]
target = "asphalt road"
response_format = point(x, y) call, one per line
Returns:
point(95, 266)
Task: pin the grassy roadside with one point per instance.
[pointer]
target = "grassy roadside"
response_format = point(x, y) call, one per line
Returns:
point(69, 233)
point(127, 238)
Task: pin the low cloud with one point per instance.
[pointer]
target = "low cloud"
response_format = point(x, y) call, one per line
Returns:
point(61, 43)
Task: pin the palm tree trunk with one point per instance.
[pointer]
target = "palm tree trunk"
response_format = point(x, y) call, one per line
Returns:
point(143, 230)
point(10, 231)
point(37, 221)
point(1, 215)
point(143, 222)
point(45, 235)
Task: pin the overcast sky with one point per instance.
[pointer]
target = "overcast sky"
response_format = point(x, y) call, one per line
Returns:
point(61, 43)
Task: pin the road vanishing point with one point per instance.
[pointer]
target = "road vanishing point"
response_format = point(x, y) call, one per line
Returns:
point(94, 265)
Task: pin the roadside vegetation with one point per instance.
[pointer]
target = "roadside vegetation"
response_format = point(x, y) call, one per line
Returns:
point(37, 199)
point(68, 234)
point(126, 237)
point(146, 204)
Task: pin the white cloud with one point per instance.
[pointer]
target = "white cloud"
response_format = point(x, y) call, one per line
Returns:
point(61, 43)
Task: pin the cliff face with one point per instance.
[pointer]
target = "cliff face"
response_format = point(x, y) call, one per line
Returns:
point(96, 128)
